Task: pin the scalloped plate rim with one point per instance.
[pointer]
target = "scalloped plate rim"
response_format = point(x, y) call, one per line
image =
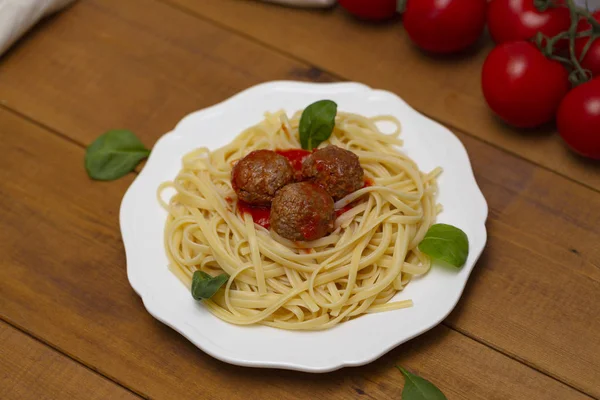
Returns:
point(160, 313)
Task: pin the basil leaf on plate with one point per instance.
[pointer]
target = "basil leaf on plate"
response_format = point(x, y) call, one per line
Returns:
point(317, 123)
point(446, 243)
point(204, 286)
point(417, 388)
point(114, 154)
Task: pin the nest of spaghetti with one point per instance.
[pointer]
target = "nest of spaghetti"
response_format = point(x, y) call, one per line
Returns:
point(368, 253)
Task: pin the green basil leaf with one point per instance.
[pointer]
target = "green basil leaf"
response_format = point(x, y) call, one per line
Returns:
point(317, 123)
point(204, 286)
point(114, 154)
point(417, 388)
point(446, 243)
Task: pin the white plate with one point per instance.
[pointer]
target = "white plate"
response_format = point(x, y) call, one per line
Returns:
point(351, 343)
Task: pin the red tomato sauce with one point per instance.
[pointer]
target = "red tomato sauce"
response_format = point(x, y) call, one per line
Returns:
point(295, 156)
point(260, 215)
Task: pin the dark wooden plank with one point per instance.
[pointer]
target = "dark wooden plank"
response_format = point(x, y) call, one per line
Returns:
point(381, 55)
point(539, 276)
point(30, 370)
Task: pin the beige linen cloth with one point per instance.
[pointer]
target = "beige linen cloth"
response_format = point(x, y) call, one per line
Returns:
point(18, 16)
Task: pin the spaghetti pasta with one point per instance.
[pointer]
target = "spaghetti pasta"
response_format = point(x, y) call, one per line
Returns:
point(357, 269)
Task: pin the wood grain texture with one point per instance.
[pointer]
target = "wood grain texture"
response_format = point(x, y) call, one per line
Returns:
point(30, 370)
point(142, 65)
point(104, 64)
point(381, 55)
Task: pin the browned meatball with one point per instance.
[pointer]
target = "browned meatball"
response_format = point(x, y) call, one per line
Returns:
point(336, 170)
point(302, 211)
point(258, 176)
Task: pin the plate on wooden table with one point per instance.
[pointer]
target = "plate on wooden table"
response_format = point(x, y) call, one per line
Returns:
point(352, 343)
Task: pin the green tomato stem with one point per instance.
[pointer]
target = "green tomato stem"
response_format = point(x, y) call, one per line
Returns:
point(547, 45)
point(579, 74)
point(401, 6)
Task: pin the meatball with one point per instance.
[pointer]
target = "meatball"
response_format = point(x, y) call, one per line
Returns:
point(336, 170)
point(258, 176)
point(302, 211)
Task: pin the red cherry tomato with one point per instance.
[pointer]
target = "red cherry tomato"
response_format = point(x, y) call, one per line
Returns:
point(444, 26)
point(370, 9)
point(591, 60)
point(578, 119)
point(521, 86)
point(510, 20)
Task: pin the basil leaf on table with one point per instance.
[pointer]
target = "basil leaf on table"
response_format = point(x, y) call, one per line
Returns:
point(417, 388)
point(317, 123)
point(204, 286)
point(114, 154)
point(446, 243)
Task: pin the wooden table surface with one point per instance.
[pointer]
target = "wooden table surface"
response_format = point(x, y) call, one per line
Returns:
point(527, 326)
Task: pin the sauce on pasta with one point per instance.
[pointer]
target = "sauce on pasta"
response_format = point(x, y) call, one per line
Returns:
point(370, 256)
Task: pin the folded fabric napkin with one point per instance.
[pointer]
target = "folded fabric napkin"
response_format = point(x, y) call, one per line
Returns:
point(17, 16)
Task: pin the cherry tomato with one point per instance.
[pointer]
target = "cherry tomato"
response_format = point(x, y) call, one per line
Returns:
point(444, 26)
point(578, 119)
point(370, 9)
point(591, 60)
point(521, 86)
point(510, 20)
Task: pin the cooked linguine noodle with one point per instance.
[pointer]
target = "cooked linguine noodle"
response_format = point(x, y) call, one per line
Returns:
point(357, 269)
